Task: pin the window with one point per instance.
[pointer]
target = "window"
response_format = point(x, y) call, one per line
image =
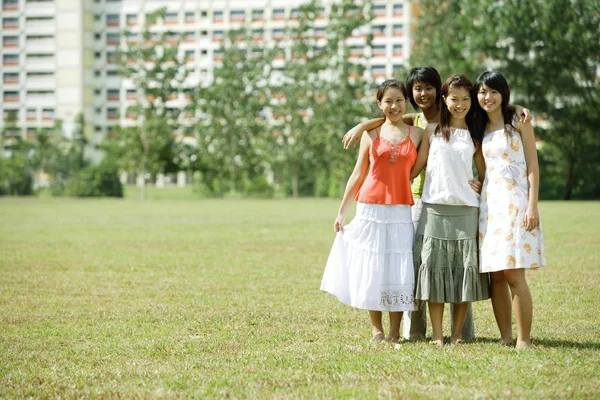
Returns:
point(47, 114)
point(190, 17)
point(203, 33)
point(278, 33)
point(398, 8)
point(110, 57)
point(294, 13)
point(378, 50)
point(320, 32)
point(379, 10)
point(189, 36)
point(378, 30)
point(98, 17)
point(257, 15)
point(131, 19)
point(11, 96)
point(97, 92)
point(10, 5)
point(378, 70)
point(131, 94)
point(203, 52)
point(10, 23)
point(237, 15)
point(171, 18)
point(10, 60)
point(398, 49)
point(97, 36)
point(398, 30)
point(204, 13)
point(112, 20)
point(97, 55)
point(217, 35)
point(10, 41)
point(112, 73)
point(112, 113)
point(31, 114)
point(217, 16)
point(278, 14)
point(356, 51)
point(112, 95)
point(97, 73)
point(10, 77)
point(112, 38)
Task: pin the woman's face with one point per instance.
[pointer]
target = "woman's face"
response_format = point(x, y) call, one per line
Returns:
point(424, 95)
point(489, 99)
point(458, 102)
point(392, 104)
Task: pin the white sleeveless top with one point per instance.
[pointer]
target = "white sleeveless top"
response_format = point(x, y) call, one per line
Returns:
point(449, 170)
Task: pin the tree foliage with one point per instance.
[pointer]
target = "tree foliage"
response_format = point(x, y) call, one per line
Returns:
point(150, 60)
point(549, 52)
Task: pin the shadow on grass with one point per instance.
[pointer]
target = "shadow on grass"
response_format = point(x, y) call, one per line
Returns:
point(546, 343)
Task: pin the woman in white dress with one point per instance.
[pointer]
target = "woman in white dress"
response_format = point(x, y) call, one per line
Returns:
point(510, 235)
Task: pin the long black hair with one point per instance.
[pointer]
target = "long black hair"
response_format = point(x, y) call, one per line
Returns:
point(495, 81)
point(427, 75)
point(455, 82)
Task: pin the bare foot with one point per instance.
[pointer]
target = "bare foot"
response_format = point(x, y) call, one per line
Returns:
point(506, 342)
point(456, 341)
point(393, 339)
point(523, 344)
point(378, 337)
point(437, 342)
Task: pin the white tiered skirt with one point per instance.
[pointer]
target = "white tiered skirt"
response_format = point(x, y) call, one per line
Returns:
point(371, 263)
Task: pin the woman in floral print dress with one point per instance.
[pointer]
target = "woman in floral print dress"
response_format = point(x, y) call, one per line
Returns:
point(510, 235)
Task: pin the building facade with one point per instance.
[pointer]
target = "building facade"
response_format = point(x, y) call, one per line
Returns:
point(58, 55)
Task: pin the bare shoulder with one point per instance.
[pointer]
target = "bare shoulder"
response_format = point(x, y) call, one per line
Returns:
point(369, 135)
point(524, 128)
point(416, 134)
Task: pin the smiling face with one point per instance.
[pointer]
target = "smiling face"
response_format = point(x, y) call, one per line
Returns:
point(392, 104)
point(424, 95)
point(458, 102)
point(489, 99)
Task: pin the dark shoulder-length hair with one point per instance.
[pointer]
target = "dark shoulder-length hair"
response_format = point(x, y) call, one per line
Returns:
point(458, 81)
point(495, 81)
point(427, 75)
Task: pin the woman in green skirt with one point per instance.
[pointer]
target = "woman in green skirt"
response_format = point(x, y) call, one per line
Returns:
point(445, 249)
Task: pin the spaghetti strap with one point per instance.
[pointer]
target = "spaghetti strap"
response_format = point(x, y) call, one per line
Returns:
point(377, 131)
point(409, 131)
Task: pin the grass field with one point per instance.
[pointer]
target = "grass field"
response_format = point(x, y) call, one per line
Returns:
point(220, 298)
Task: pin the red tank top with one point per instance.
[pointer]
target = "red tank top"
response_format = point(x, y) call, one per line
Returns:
point(388, 181)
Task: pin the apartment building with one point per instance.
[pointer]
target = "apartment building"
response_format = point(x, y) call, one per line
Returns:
point(58, 55)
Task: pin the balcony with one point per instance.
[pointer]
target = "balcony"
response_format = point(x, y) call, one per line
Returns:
point(11, 97)
point(10, 79)
point(10, 5)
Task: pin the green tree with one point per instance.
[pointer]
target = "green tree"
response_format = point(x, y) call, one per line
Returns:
point(150, 60)
point(230, 130)
point(549, 52)
point(16, 174)
point(320, 91)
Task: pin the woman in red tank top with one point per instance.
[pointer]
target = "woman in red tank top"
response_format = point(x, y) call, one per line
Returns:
point(370, 265)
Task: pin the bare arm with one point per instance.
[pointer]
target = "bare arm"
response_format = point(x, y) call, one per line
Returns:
point(355, 181)
point(476, 184)
point(353, 136)
point(422, 155)
point(409, 119)
point(532, 217)
point(523, 113)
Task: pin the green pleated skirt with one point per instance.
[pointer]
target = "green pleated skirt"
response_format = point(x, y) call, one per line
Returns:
point(445, 256)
